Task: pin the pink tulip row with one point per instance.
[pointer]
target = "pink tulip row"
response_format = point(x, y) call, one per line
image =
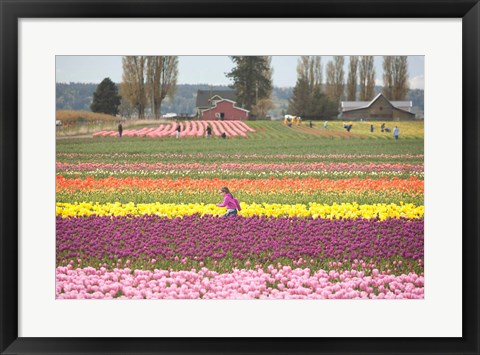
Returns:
point(188, 129)
point(274, 283)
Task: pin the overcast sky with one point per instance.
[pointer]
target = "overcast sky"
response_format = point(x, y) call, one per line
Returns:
point(209, 69)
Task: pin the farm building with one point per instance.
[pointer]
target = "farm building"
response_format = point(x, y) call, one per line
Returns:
point(380, 108)
point(219, 104)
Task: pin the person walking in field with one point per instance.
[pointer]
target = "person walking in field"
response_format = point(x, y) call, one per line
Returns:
point(230, 202)
point(178, 129)
point(325, 124)
point(120, 130)
point(209, 132)
point(371, 128)
point(396, 131)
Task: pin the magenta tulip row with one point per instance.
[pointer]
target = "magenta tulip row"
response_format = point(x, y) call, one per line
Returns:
point(240, 238)
point(281, 283)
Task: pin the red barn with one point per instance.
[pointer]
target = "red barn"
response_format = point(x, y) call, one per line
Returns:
point(224, 109)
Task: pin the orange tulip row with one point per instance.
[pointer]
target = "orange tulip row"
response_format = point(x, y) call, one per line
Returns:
point(412, 185)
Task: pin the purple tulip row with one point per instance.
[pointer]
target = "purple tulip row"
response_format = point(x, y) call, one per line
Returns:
point(263, 239)
point(273, 283)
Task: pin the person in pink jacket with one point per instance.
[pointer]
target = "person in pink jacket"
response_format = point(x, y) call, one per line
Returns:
point(230, 202)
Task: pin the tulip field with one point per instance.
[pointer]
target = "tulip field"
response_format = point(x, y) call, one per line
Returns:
point(324, 216)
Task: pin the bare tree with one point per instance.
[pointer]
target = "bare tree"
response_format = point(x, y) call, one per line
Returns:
point(330, 80)
point(366, 77)
point(162, 73)
point(310, 69)
point(262, 107)
point(133, 83)
point(388, 77)
point(395, 77)
point(352, 78)
point(400, 78)
point(125, 109)
point(309, 79)
point(335, 82)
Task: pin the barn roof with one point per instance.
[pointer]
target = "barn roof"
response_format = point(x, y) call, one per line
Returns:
point(203, 96)
point(234, 105)
point(357, 105)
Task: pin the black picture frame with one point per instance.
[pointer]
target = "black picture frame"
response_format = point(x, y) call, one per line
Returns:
point(11, 11)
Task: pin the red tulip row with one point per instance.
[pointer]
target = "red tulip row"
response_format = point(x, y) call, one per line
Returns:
point(188, 129)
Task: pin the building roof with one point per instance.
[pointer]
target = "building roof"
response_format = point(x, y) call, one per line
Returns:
point(356, 105)
point(203, 96)
point(234, 104)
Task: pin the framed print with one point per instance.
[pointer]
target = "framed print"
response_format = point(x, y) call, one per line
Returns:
point(209, 176)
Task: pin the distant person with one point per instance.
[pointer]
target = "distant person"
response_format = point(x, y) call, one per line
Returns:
point(325, 124)
point(396, 131)
point(349, 127)
point(178, 129)
point(120, 130)
point(209, 132)
point(382, 127)
point(223, 135)
point(371, 128)
point(311, 124)
point(230, 202)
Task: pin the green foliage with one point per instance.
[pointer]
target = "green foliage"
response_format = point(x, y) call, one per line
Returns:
point(252, 79)
point(311, 104)
point(106, 98)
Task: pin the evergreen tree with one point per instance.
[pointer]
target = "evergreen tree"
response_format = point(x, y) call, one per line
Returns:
point(301, 100)
point(322, 106)
point(252, 79)
point(106, 98)
point(308, 100)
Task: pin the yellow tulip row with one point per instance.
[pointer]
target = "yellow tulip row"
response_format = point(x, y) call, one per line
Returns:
point(315, 210)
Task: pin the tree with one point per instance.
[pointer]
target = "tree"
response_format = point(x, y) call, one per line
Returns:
point(352, 78)
point(400, 78)
point(133, 85)
point(388, 77)
point(335, 84)
point(310, 68)
point(262, 107)
point(322, 106)
point(309, 77)
point(301, 100)
point(106, 98)
point(395, 77)
point(125, 109)
point(308, 100)
point(252, 79)
point(162, 73)
point(366, 75)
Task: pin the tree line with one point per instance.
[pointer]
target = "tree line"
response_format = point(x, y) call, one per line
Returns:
point(313, 99)
point(148, 80)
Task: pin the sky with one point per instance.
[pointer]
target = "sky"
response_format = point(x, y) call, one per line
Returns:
point(210, 69)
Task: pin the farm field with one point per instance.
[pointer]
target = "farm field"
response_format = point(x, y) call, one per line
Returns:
point(324, 214)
